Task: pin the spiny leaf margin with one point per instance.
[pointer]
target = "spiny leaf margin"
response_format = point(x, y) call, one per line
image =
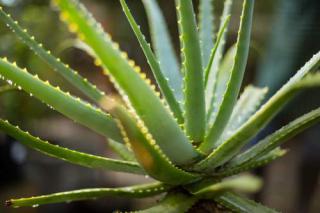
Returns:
point(64, 70)
point(155, 66)
point(138, 191)
point(72, 107)
point(72, 156)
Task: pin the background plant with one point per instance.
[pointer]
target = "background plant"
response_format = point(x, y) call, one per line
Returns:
point(202, 119)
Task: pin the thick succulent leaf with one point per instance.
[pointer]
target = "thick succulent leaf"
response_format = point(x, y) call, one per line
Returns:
point(138, 191)
point(163, 47)
point(64, 70)
point(124, 152)
point(194, 77)
point(222, 78)
point(174, 202)
point(215, 48)
point(147, 152)
point(129, 81)
point(310, 81)
point(235, 79)
point(206, 29)
point(64, 103)
point(248, 103)
point(252, 164)
point(233, 145)
point(244, 183)
point(212, 74)
point(279, 137)
point(237, 203)
point(74, 157)
point(155, 66)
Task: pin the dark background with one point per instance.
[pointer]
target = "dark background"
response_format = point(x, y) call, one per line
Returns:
point(285, 35)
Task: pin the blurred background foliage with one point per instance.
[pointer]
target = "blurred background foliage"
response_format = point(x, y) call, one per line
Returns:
point(286, 34)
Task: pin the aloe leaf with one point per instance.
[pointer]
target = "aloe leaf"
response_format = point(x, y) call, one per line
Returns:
point(77, 43)
point(138, 191)
point(248, 103)
point(194, 77)
point(64, 70)
point(163, 47)
point(64, 103)
point(252, 164)
point(146, 150)
point(244, 183)
point(237, 203)
point(215, 48)
point(309, 81)
point(236, 75)
point(212, 73)
point(277, 138)
point(78, 158)
point(155, 66)
point(130, 82)
point(174, 202)
point(246, 106)
point(206, 29)
point(260, 119)
point(222, 78)
point(122, 150)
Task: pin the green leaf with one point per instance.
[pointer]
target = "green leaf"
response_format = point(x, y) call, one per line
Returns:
point(155, 66)
point(206, 29)
point(212, 73)
point(134, 89)
point(163, 47)
point(311, 80)
point(248, 103)
point(260, 119)
point(279, 137)
point(77, 43)
point(138, 191)
point(147, 152)
point(251, 164)
point(122, 150)
point(70, 75)
point(194, 77)
point(235, 79)
point(64, 103)
point(215, 48)
point(237, 203)
point(74, 157)
point(174, 202)
point(221, 81)
point(244, 183)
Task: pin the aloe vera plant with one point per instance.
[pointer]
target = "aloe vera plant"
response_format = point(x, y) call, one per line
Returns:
point(189, 131)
